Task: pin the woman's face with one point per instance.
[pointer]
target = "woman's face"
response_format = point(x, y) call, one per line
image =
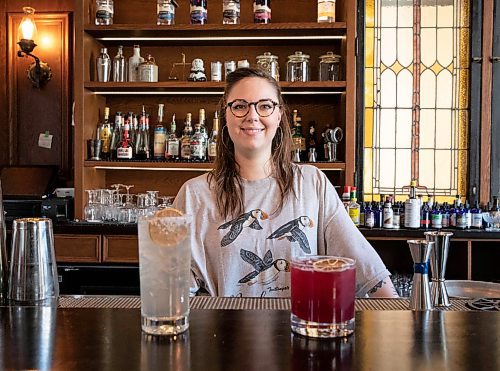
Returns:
point(253, 134)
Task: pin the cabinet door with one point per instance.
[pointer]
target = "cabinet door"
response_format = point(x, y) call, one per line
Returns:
point(120, 249)
point(77, 248)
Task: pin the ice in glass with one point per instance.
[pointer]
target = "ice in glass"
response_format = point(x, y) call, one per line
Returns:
point(322, 295)
point(164, 266)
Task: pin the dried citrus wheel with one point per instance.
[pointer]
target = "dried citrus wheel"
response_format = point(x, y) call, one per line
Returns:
point(329, 265)
point(168, 211)
point(166, 230)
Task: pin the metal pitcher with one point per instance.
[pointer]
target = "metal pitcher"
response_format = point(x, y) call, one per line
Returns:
point(33, 276)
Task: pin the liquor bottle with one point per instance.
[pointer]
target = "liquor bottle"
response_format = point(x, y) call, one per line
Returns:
point(425, 216)
point(299, 141)
point(116, 134)
point(346, 196)
point(396, 217)
point(262, 11)
point(436, 217)
point(197, 147)
point(119, 66)
point(388, 214)
point(401, 214)
point(104, 12)
point(326, 11)
point(125, 149)
point(312, 140)
point(412, 208)
point(445, 213)
point(369, 217)
point(198, 11)
point(477, 216)
point(172, 141)
point(133, 64)
point(379, 215)
point(134, 127)
point(231, 12)
point(487, 210)
point(460, 218)
point(362, 209)
point(212, 142)
point(353, 210)
point(103, 65)
point(186, 139)
point(467, 215)
point(142, 149)
point(160, 136)
point(105, 135)
point(453, 213)
point(204, 132)
point(165, 12)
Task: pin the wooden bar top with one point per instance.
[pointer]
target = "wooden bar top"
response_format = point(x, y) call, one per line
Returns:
point(96, 339)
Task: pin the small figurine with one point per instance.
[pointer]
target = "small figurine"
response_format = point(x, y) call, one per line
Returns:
point(197, 71)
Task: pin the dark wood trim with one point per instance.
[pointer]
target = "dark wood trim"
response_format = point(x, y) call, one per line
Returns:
point(360, 100)
point(485, 162)
point(350, 99)
point(495, 107)
point(4, 139)
point(475, 100)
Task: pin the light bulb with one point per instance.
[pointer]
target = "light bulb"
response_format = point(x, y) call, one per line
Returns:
point(27, 28)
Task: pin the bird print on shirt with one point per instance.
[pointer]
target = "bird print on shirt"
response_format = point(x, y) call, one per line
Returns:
point(249, 219)
point(265, 271)
point(293, 231)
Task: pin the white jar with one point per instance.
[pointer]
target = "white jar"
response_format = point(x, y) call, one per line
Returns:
point(148, 70)
point(133, 64)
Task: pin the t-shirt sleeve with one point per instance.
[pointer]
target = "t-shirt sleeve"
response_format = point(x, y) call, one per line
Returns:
point(342, 238)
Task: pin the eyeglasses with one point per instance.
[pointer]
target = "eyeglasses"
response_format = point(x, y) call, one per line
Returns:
point(264, 107)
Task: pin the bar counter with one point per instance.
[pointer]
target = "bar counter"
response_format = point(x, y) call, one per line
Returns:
point(258, 339)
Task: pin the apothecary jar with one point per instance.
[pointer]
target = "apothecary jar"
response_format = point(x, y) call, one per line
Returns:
point(297, 67)
point(329, 67)
point(269, 63)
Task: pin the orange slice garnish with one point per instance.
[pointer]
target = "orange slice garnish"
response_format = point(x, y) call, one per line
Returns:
point(329, 265)
point(166, 230)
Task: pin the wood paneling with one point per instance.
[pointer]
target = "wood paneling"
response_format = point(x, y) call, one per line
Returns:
point(77, 248)
point(120, 249)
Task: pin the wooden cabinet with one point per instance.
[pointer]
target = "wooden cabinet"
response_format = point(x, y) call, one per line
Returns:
point(120, 249)
point(75, 248)
point(294, 28)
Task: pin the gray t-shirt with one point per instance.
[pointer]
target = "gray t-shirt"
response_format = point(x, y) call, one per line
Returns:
point(249, 255)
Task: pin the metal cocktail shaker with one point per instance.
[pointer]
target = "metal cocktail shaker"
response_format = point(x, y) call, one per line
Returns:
point(439, 256)
point(420, 298)
point(3, 253)
point(103, 65)
point(33, 276)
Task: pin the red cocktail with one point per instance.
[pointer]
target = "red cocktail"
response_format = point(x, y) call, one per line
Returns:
point(323, 290)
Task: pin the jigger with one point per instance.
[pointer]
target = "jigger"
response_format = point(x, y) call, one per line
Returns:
point(420, 298)
point(439, 256)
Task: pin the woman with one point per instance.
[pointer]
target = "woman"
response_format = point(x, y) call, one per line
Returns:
point(257, 209)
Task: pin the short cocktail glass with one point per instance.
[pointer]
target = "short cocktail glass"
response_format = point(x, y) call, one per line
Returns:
point(322, 295)
point(164, 267)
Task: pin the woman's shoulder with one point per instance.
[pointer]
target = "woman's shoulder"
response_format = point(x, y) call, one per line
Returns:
point(200, 182)
point(308, 172)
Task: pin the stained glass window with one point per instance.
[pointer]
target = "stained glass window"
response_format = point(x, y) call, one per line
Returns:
point(416, 96)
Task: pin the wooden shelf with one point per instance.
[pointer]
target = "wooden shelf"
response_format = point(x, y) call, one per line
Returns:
point(183, 166)
point(209, 87)
point(217, 33)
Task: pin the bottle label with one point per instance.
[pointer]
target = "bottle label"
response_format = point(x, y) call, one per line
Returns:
point(173, 148)
point(388, 218)
point(124, 153)
point(197, 150)
point(354, 215)
point(326, 9)
point(437, 221)
point(396, 219)
point(167, 13)
point(477, 220)
point(212, 149)
point(370, 220)
point(186, 151)
point(261, 13)
point(198, 15)
point(412, 213)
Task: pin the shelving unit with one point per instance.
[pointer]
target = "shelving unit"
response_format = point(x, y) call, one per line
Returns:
point(294, 28)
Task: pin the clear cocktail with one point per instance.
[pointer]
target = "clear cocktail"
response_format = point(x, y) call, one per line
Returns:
point(322, 295)
point(164, 266)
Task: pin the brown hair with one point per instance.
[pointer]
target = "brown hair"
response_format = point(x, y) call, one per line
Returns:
point(225, 174)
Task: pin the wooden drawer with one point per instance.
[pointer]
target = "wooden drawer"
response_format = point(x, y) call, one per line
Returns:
point(78, 248)
point(120, 249)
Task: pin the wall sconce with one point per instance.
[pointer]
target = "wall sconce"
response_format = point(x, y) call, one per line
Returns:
point(39, 72)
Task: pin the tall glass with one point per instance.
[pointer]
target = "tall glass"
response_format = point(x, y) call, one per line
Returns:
point(164, 267)
point(323, 289)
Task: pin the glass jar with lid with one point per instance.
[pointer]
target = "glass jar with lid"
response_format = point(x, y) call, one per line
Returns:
point(297, 67)
point(329, 67)
point(269, 63)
